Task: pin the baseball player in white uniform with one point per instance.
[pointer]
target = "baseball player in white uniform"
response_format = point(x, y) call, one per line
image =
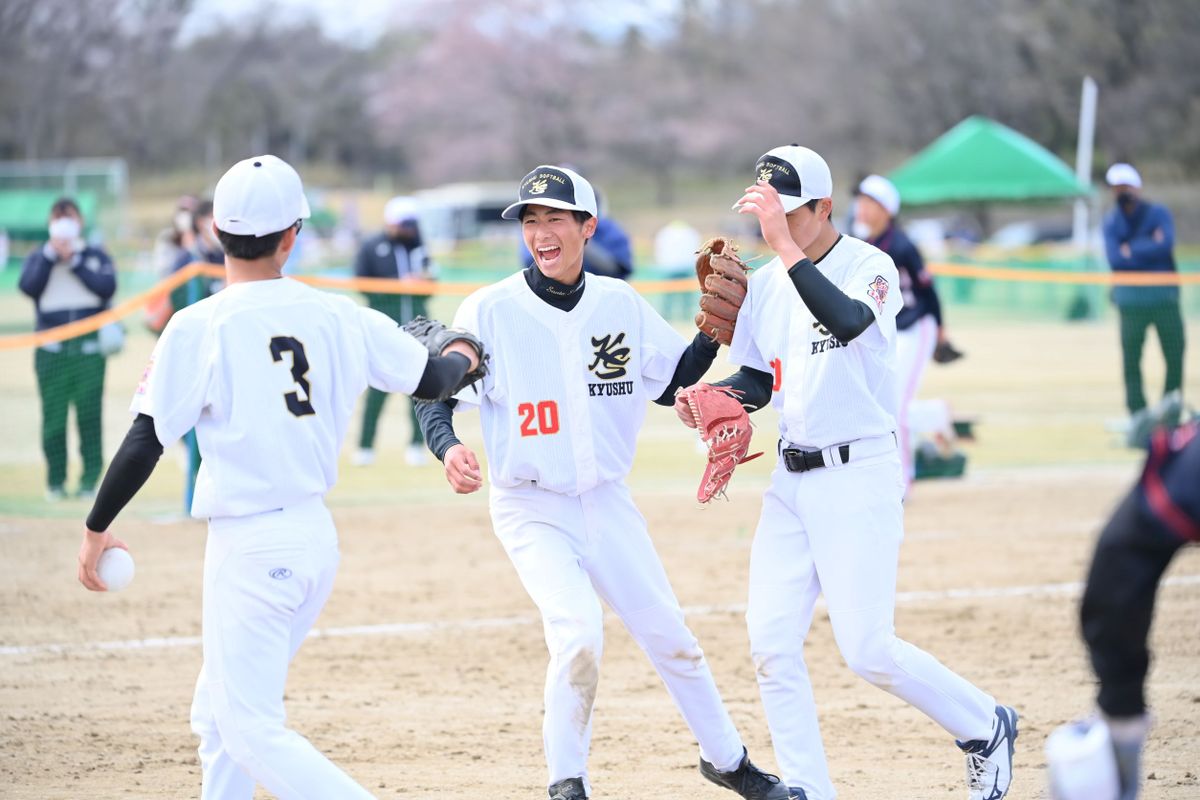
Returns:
point(268, 372)
point(919, 329)
point(816, 338)
point(574, 359)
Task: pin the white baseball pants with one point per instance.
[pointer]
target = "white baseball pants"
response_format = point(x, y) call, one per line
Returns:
point(266, 578)
point(914, 350)
point(837, 531)
point(571, 551)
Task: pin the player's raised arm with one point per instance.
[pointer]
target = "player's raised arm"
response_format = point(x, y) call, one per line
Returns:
point(843, 316)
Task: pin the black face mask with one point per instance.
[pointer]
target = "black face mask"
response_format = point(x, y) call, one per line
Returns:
point(1126, 200)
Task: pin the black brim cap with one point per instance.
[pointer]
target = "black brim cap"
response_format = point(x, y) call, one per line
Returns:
point(556, 187)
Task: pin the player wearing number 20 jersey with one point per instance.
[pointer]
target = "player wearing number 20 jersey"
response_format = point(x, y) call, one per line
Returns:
point(566, 393)
point(267, 372)
point(574, 360)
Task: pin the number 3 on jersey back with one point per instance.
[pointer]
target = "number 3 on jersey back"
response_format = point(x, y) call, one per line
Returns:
point(295, 403)
point(538, 419)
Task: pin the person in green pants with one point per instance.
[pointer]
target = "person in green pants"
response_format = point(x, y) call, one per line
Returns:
point(1139, 237)
point(397, 253)
point(69, 280)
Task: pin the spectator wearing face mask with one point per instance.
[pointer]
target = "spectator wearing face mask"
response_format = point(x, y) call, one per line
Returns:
point(69, 280)
point(1139, 237)
point(203, 247)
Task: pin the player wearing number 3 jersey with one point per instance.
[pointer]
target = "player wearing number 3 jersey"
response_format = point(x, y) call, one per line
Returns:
point(268, 372)
point(574, 359)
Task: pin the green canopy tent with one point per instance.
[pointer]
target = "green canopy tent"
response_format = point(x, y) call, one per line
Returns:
point(981, 161)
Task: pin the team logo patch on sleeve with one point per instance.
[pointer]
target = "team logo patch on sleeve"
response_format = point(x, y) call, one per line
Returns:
point(144, 383)
point(878, 290)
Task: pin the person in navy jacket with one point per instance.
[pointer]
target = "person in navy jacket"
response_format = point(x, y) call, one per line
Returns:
point(69, 280)
point(1139, 236)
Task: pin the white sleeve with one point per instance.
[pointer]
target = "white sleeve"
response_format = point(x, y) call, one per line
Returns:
point(661, 348)
point(743, 350)
point(876, 282)
point(175, 385)
point(468, 318)
point(395, 360)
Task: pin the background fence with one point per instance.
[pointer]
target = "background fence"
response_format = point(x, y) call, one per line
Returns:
point(1042, 375)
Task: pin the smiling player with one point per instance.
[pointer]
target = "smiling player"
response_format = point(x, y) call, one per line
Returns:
point(574, 360)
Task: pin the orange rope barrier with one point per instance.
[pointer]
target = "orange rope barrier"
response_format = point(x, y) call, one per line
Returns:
point(430, 288)
point(95, 322)
point(1063, 276)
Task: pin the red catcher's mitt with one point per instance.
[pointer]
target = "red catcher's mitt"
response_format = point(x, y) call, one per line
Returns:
point(723, 278)
point(724, 426)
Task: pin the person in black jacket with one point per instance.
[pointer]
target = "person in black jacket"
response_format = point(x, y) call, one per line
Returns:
point(1157, 518)
point(69, 280)
point(397, 253)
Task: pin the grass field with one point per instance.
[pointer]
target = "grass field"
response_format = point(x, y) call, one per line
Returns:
point(427, 680)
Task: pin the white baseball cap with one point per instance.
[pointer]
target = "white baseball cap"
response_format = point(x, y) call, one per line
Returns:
point(882, 191)
point(557, 187)
point(258, 197)
point(797, 173)
point(1123, 175)
point(400, 209)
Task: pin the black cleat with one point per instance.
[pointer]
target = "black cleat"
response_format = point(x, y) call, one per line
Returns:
point(570, 789)
point(751, 782)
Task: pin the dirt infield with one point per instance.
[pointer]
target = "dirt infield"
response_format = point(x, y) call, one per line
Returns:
point(429, 680)
point(454, 711)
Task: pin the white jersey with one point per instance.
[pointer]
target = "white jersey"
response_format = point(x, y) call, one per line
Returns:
point(268, 373)
point(566, 391)
point(827, 392)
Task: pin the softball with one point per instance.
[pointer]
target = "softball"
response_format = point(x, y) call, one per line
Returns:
point(115, 568)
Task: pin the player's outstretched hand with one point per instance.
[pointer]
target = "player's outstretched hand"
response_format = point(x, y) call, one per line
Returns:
point(762, 200)
point(94, 544)
point(462, 469)
point(683, 410)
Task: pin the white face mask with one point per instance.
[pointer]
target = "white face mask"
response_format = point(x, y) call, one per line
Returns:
point(860, 229)
point(65, 229)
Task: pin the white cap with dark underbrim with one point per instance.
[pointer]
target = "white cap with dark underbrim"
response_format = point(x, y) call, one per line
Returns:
point(556, 187)
point(1123, 175)
point(259, 196)
point(797, 173)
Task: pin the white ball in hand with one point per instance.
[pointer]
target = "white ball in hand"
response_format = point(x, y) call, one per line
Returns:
point(115, 568)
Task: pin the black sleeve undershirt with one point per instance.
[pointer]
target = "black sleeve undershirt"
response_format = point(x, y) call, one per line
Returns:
point(754, 384)
point(127, 473)
point(841, 315)
point(441, 374)
point(437, 425)
point(694, 362)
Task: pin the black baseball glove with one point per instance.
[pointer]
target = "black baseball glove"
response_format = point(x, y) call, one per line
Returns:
point(435, 336)
point(946, 353)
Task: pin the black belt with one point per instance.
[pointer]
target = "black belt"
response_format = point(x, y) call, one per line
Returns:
point(797, 460)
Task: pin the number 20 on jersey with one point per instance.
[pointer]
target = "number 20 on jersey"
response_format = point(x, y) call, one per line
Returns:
point(540, 419)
